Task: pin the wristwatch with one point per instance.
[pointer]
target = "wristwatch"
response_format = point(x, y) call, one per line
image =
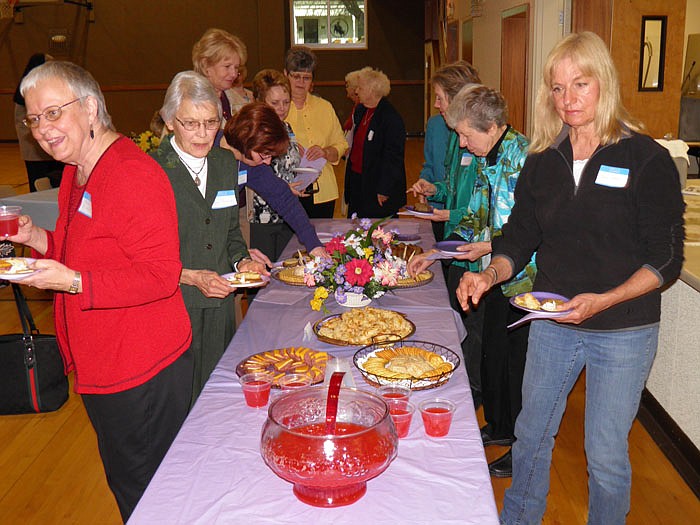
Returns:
point(75, 285)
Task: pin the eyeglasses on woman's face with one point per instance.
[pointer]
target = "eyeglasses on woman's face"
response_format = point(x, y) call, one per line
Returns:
point(194, 125)
point(52, 113)
point(301, 77)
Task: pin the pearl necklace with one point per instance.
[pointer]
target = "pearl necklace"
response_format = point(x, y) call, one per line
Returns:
point(194, 172)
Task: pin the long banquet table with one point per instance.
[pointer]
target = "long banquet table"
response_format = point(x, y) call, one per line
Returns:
point(213, 472)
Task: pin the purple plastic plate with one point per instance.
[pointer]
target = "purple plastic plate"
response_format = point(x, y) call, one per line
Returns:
point(541, 297)
point(449, 247)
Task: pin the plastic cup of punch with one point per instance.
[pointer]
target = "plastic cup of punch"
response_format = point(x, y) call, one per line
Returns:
point(437, 416)
point(256, 388)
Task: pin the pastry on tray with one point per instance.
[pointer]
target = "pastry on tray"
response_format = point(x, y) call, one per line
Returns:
point(359, 326)
point(407, 362)
point(290, 360)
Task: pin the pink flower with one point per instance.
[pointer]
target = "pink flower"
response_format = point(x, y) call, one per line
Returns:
point(383, 236)
point(336, 245)
point(358, 272)
point(386, 273)
point(309, 280)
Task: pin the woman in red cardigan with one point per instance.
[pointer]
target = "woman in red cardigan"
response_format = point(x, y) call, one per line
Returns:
point(114, 262)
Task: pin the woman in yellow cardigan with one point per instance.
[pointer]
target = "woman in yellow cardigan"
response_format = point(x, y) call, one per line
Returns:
point(317, 129)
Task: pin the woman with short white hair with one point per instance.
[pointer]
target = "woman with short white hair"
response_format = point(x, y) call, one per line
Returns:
point(375, 175)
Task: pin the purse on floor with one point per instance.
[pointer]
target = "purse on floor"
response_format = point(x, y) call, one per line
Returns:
point(32, 379)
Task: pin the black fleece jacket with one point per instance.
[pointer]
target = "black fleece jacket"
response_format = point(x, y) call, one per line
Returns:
point(625, 214)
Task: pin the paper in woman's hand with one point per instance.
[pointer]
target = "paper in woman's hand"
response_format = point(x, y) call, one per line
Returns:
point(305, 176)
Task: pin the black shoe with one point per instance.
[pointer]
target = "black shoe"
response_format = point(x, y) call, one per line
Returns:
point(502, 467)
point(488, 440)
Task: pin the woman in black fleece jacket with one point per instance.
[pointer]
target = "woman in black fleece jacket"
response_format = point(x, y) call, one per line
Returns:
point(601, 205)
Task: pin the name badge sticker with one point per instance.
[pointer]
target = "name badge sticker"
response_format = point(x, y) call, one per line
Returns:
point(224, 199)
point(370, 135)
point(86, 205)
point(466, 159)
point(612, 177)
point(243, 178)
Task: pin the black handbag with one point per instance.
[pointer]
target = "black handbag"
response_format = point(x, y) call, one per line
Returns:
point(32, 378)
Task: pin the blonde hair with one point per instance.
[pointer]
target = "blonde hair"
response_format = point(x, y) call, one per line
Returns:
point(376, 80)
point(214, 45)
point(590, 54)
point(265, 80)
point(352, 78)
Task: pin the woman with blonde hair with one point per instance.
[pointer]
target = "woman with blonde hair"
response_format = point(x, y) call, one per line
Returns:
point(601, 204)
point(219, 55)
point(375, 175)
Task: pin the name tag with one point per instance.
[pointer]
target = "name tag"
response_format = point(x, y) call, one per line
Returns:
point(370, 135)
point(612, 177)
point(224, 199)
point(466, 159)
point(86, 205)
point(243, 178)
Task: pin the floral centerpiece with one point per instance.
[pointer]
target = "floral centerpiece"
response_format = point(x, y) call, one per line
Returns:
point(147, 141)
point(360, 263)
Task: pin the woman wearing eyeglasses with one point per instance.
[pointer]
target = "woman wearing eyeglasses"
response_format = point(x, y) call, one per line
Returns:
point(114, 262)
point(317, 129)
point(211, 243)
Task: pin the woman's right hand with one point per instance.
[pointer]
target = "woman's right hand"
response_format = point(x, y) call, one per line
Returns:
point(419, 263)
point(423, 188)
point(211, 284)
point(294, 187)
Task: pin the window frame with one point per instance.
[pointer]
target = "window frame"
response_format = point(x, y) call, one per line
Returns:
point(320, 46)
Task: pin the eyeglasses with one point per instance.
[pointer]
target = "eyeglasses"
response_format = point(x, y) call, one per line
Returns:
point(194, 125)
point(52, 113)
point(303, 78)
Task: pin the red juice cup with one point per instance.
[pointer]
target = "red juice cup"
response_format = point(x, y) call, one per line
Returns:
point(9, 220)
point(437, 416)
point(401, 414)
point(394, 393)
point(294, 381)
point(256, 388)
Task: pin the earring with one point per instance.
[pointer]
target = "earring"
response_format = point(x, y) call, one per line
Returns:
point(92, 133)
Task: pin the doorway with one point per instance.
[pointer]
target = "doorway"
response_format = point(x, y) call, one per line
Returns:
point(515, 36)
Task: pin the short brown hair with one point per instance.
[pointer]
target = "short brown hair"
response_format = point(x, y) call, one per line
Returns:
point(214, 44)
point(453, 77)
point(265, 80)
point(256, 127)
point(300, 58)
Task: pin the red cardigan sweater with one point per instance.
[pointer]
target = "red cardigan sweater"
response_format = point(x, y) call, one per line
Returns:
point(129, 322)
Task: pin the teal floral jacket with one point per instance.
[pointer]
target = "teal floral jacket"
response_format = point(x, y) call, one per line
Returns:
point(456, 190)
point(491, 202)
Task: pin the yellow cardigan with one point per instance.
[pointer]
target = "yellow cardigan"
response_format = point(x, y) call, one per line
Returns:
point(317, 124)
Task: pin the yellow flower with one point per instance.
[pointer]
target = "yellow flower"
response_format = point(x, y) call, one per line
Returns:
point(368, 253)
point(321, 293)
point(316, 304)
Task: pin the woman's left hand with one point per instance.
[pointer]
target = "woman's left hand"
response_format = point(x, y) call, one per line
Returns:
point(258, 262)
point(381, 199)
point(294, 187)
point(473, 251)
point(53, 276)
point(316, 152)
point(584, 306)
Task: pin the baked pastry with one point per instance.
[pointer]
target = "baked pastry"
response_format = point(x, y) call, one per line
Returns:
point(422, 277)
point(14, 265)
point(282, 361)
point(294, 275)
point(527, 300)
point(359, 326)
point(405, 251)
point(244, 278)
point(406, 362)
point(422, 207)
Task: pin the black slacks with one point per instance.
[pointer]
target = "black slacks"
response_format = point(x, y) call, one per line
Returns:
point(323, 210)
point(502, 364)
point(136, 427)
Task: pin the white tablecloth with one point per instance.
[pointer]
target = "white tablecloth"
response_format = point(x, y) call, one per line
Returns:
point(214, 473)
point(42, 206)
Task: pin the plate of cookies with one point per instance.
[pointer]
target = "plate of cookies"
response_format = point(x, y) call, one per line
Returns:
point(418, 365)
point(282, 361)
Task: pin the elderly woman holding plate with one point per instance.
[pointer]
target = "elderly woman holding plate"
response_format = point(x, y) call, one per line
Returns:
point(205, 190)
point(479, 116)
point(114, 262)
point(601, 204)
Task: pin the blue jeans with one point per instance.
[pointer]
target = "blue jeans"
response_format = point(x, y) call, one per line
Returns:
point(617, 366)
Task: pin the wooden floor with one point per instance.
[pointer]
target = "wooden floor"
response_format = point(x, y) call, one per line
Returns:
point(50, 471)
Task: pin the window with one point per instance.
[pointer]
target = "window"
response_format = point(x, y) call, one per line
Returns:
point(329, 23)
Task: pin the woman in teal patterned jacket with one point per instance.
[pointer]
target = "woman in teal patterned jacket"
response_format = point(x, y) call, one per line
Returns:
point(479, 116)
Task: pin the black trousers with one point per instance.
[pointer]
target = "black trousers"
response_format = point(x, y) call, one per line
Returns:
point(502, 364)
point(473, 321)
point(323, 210)
point(135, 429)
